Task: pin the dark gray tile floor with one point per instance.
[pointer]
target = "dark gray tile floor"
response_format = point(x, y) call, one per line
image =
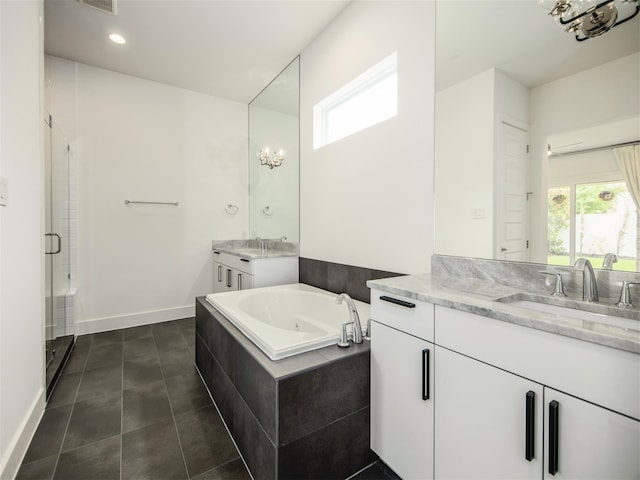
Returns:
point(130, 405)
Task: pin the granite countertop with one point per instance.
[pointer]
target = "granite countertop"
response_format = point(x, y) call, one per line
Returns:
point(250, 249)
point(483, 298)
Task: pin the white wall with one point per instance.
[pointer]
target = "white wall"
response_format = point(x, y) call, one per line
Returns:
point(464, 170)
point(141, 140)
point(465, 173)
point(600, 95)
point(367, 200)
point(21, 231)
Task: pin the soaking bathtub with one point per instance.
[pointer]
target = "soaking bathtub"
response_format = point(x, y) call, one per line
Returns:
point(287, 320)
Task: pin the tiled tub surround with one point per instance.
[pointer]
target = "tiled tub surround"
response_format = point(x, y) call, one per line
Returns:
point(306, 416)
point(339, 278)
point(474, 286)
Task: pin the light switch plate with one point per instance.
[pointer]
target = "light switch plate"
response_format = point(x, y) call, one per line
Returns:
point(4, 191)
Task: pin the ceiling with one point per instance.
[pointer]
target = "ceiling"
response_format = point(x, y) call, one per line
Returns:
point(226, 48)
point(521, 39)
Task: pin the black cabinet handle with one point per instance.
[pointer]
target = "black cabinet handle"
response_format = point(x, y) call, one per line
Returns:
point(219, 273)
point(217, 253)
point(553, 437)
point(395, 301)
point(530, 419)
point(245, 260)
point(228, 278)
point(425, 374)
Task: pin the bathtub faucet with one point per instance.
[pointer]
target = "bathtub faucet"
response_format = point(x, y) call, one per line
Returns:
point(353, 316)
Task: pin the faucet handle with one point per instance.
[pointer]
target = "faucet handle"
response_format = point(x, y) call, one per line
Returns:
point(344, 337)
point(625, 295)
point(559, 288)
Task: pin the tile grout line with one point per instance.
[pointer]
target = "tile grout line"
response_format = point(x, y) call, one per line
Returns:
point(122, 409)
point(173, 417)
point(73, 405)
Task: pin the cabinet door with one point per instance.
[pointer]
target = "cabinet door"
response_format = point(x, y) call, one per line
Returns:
point(243, 280)
point(488, 422)
point(402, 401)
point(588, 441)
point(219, 277)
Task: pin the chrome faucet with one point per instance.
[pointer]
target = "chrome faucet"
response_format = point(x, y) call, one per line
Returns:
point(354, 318)
point(589, 285)
point(559, 288)
point(625, 295)
point(609, 260)
point(261, 244)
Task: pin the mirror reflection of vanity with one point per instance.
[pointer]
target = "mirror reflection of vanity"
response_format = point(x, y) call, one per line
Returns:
point(274, 158)
point(511, 87)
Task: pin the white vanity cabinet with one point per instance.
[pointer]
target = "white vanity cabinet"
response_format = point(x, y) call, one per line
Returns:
point(488, 421)
point(591, 441)
point(402, 384)
point(483, 374)
point(234, 272)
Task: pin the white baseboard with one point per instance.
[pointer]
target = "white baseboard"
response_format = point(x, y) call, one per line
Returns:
point(18, 448)
point(133, 320)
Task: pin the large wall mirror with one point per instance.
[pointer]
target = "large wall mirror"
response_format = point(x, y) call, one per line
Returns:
point(274, 158)
point(527, 120)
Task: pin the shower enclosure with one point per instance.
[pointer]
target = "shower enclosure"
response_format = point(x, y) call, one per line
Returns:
point(59, 331)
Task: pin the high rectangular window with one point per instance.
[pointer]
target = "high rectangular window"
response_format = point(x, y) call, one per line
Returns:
point(368, 99)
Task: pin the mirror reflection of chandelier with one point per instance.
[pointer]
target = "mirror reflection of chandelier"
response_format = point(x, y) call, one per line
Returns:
point(589, 18)
point(270, 159)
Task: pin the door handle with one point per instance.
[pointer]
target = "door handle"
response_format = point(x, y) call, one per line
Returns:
point(240, 281)
point(229, 277)
point(425, 374)
point(553, 437)
point(59, 243)
point(529, 439)
point(397, 301)
point(219, 273)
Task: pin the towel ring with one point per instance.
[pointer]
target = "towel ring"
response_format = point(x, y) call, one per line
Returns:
point(231, 209)
point(267, 211)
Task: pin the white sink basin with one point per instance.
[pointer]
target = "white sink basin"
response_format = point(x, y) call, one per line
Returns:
point(559, 311)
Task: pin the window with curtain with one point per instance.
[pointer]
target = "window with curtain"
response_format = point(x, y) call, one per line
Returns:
point(590, 220)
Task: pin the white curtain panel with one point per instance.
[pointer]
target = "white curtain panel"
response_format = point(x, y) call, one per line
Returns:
point(629, 163)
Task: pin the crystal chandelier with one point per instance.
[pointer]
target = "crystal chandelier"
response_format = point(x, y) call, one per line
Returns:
point(270, 159)
point(587, 18)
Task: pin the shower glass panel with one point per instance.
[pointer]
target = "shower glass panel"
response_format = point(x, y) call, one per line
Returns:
point(59, 335)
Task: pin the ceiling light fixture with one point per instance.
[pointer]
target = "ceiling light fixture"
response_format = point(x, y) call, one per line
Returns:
point(589, 18)
point(270, 159)
point(115, 38)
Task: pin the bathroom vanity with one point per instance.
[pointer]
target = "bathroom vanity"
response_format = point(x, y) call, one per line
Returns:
point(492, 388)
point(243, 264)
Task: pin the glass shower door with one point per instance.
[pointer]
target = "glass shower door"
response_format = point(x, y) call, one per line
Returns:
point(57, 270)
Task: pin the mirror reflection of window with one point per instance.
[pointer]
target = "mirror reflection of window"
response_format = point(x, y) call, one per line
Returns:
point(604, 220)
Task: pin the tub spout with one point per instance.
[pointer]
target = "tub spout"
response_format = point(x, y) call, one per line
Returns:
point(353, 316)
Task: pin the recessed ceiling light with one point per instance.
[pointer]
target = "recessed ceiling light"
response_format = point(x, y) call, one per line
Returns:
point(115, 38)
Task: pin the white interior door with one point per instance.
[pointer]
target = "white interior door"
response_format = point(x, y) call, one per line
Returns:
point(512, 172)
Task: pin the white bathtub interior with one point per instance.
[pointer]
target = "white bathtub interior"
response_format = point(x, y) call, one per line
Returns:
point(286, 320)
